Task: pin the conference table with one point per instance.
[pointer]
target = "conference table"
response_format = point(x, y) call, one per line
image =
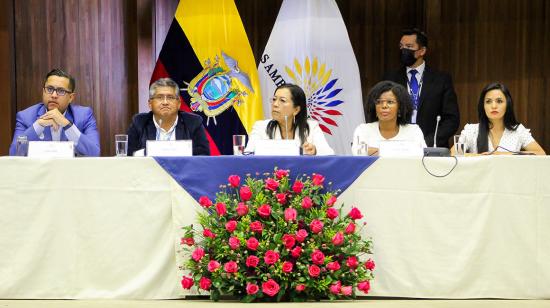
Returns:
point(90, 228)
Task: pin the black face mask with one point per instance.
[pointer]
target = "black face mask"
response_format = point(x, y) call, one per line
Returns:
point(407, 56)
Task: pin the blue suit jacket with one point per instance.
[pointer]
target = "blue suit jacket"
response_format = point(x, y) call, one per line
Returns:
point(82, 117)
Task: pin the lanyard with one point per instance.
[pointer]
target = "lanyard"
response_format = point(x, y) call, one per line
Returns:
point(416, 96)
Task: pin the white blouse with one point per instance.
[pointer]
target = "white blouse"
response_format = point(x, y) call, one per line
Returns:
point(511, 140)
point(369, 133)
point(315, 137)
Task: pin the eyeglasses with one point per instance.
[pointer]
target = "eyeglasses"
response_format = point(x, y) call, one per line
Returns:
point(161, 97)
point(59, 91)
point(388, 102)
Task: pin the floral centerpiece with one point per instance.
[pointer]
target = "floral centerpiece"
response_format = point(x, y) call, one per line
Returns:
point(275, 239)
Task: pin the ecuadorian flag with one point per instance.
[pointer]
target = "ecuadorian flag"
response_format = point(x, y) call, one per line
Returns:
point(206, 51)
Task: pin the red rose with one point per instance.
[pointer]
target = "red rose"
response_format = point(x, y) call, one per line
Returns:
point(251, 288)
point(234, 180)
point(281, 198)
point(208, 233)
point(364, 286)
point(314, 271)
point(301, 235)
point(333, 266)
point(205, 283)
point(230, 226)
point(256, 226)
point(316, 226)
point(242, 209)
point(350, 228)
point(231, 267)
point(197, 254)
point(331, 201)
point(300, 287)
point(270, 287)
point(288, 240)
point(189, 241)
point(369, 264)
point(264, 210)
point(252, 261)
point(318, 257)
point(346, 290)
point(297, 187)
point(245, 193)
point(332, 213)
point(234, 242)
point(318, 180)
point(335, 287)
point(338, 239)
point(205, 202)
point(252, 243)
point(271, 257)
point(186, 282)
point(307, 203)
point(213, 265)
point(221, 209)
point(355, 213)
point(296, 251)
point(287, 267)
point(290, 214)
point(281, 173)
point(271, 184)
point(352, 262)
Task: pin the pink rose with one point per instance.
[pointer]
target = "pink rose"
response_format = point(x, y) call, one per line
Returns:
point(256, 226)
point(338, 239)
point(355, 213)
point(297, 187)
point(252, 243)
point(213, 265)
point(234, 243)
point(300, 287)
point(252, 261)
point(287, 267)
point(221, 209)
point(346, 290)
point(245, 193)
point(290, 214)
point(314, 271)
point(264, 210)
point(242, 209)
point(281, 173)
point(234, 180)
point(189, 241)
point(270, 287)
point(271, 184)
point(251, 288)
point(332, 213)
point(296, 251)
point(231, 267)
point(333, 266)
point(281, 198)
point(331, 201)
point(364, 286)
point(230, 226)
point(369, 264)
point(350, 228)
point(271, 257)
point(288, 240)
point(205, 283)
point(186, 282)
point(318, 257)
point(208, 233)
point(307, 203)
point(318, 180)
point(197, 254)
point(316, 226)
point(301, 235)
point(205, 202)
point(352, 262)
point(335, 287)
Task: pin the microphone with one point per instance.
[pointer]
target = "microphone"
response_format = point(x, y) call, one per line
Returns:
point(436, 127)
point(286, 127)
point(435, 151)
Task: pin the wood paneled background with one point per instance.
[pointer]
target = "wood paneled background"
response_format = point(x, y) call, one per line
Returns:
point(111, 47)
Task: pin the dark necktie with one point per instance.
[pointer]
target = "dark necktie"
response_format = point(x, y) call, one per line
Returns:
point(413, 85)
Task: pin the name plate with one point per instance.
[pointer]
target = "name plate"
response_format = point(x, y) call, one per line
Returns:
point(397, 148)
point(169, 148)
point(58, 149)
point(277, 147)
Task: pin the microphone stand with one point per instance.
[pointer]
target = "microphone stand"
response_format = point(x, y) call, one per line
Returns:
point(436, 151)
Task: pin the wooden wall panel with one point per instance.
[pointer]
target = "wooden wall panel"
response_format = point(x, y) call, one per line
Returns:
point(7, 76)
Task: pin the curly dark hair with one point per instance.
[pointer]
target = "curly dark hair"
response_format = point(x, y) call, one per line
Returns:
point(404, 113)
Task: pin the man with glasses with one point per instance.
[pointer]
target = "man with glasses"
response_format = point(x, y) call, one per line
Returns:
point(431, 91)
point(165, 121)
point(57, 119)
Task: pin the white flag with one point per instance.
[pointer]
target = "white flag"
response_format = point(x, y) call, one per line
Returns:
point(309, 46)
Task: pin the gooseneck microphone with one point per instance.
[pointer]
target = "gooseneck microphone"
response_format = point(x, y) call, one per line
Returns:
point(435, 151)
point(436, 127)
point(286, 127)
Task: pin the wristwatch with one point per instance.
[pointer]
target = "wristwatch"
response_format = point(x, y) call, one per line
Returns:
point(68, 125)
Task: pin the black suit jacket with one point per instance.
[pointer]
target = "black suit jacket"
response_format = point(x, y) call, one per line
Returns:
point(437, 97)
point(189, 127)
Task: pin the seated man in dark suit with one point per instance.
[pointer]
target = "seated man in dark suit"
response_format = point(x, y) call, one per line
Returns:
point(57, 119)
point(431, 92)
point(165, 121)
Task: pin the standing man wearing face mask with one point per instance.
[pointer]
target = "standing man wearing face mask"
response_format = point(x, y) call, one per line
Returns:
point(431, 91)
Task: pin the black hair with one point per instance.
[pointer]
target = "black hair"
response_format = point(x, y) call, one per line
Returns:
point(510, 121)
point(421, 36)
point(404, 113)
point(298, 99)
point(61, 73)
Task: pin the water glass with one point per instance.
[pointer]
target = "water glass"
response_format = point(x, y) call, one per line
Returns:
point(121, 145)
point(459, 145)
point(239, 142)
point(21, 146)
point(363, 149)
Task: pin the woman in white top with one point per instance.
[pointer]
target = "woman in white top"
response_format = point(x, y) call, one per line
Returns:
point(389, 110)
point(498, 130)
point(289, 121)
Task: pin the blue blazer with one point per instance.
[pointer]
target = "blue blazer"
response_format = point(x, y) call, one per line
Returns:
point(82, 117)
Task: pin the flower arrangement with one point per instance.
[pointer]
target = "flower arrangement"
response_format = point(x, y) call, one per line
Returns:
point(273, 239)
